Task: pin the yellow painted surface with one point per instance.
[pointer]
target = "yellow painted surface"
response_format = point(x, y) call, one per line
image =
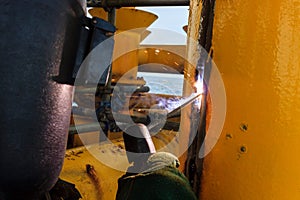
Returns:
point(112, 155)
point(74, 171)
point(257, 50)
point(128, 61)
point(172, 56)
point(126, 20)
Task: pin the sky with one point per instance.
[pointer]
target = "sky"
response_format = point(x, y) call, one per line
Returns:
point(167, 29)
point(170, 18)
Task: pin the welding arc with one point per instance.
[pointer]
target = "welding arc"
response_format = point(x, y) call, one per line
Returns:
point(173, 112)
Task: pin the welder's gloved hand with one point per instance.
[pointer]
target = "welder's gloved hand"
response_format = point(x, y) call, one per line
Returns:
point(153, 176)
point(160, 160)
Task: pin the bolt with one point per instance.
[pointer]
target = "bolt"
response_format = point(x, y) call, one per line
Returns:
point(229, 136)
point(244, 127)
point(109, 34)
point(243, 149)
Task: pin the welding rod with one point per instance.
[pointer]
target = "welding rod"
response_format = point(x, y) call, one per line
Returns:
point(187, 101)
point(177, 110)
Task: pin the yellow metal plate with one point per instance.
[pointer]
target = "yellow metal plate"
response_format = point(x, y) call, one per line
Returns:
point(256, 48)
point(74, 168)
point(127, 18)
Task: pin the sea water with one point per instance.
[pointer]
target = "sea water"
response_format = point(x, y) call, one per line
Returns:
point(163, 83)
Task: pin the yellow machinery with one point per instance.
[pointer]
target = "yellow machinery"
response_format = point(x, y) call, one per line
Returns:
point(134, 22)
point(256, 47)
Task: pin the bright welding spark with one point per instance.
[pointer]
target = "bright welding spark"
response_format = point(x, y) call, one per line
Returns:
point(199, 89)
point(174, 103)
point(198, 85)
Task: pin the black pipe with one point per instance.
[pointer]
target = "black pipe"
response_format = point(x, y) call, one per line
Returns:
point(136, 3)
point(39, 40)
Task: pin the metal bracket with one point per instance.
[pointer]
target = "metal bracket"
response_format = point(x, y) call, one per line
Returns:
point(94, 31)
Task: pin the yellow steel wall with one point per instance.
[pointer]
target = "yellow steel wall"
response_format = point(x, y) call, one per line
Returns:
point(257, 50)
point(127, 19)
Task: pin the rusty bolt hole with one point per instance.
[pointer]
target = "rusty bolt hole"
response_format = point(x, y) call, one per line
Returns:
point(243, 149)
point(229, 136)
point(244, 127)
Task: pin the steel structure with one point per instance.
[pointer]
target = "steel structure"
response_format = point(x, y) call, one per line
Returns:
point(135, 3)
